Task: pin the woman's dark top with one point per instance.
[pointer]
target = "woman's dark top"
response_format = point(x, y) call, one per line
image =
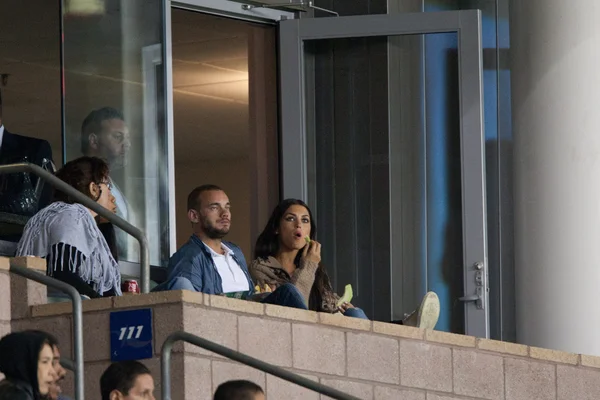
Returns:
point(14, 390)
point(64, 261)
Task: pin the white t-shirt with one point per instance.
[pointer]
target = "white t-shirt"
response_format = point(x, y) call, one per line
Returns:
point(232, 277)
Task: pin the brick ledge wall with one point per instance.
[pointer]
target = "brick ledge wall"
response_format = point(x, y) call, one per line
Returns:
point(372, 360)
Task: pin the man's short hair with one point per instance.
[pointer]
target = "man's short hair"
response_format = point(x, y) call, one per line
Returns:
point(121, 376)
point(93, 124)
point(194, 196)
point(237, 390)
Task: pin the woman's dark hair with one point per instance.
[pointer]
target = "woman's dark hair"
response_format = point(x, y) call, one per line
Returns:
point(19, 356)
point(79, 173)
point(267, 245)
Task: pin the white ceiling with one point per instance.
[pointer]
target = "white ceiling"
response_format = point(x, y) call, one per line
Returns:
point(210, 76)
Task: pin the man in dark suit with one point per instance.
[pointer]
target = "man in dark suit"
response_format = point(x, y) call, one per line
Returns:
point(17, 191)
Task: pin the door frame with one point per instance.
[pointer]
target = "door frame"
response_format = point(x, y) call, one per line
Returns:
point(296, 117)
point(234, 9)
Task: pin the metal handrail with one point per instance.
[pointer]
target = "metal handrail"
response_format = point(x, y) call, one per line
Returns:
point(77, 317)
point(67, 363)
point(97, 208)
point(165, 366)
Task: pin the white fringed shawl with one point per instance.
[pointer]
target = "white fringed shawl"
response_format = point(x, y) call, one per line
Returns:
point(73, 224)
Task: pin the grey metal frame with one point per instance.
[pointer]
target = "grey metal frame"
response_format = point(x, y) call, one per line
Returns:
point(165, 366)
point(234, 9)
point(77, 319)
point(91, 204)
point(294, 121)
point(168, 91)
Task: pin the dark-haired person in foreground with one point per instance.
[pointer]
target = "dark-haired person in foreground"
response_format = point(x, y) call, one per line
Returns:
point(208, 264)
point(127, 380)
point(26, 362)
point(55, 391)
point(66, 234)
point(239, 390)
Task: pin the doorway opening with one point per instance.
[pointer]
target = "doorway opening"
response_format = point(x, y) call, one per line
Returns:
point(225, 118)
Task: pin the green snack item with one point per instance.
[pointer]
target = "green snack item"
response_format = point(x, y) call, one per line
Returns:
point(347, 297)
point(307, 239)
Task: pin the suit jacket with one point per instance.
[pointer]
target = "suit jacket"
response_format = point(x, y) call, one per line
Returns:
point(15, 149)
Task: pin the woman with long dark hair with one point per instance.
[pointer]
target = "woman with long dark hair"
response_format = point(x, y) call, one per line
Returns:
point(286, 252)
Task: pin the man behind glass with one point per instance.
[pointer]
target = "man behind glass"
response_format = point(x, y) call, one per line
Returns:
point(105, 134)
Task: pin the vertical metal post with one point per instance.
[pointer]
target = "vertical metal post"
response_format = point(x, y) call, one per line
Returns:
point(77, 318)
point(165, 369)
point(78, 340)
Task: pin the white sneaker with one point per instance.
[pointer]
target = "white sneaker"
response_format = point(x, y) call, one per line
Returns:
point(426, 316)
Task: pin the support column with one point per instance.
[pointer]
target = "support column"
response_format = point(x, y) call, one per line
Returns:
point(555, 76)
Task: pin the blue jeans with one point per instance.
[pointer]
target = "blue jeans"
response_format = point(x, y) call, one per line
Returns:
point(178, 283)
point(356, 313)
point(286, 295)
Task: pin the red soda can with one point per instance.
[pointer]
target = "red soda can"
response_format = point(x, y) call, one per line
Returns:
point(130, 286)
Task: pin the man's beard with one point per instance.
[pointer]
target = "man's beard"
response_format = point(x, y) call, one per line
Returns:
point(213, 232)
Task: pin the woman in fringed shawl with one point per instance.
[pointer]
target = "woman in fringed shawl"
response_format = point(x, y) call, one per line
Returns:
point(66, 234)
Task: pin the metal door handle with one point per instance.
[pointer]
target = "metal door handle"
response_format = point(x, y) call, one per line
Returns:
point(480, 287)
point(470, 298)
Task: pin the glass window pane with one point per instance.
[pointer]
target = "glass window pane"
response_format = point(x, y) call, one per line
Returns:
point(114, 81)
point(385, 170)
point(225, 117)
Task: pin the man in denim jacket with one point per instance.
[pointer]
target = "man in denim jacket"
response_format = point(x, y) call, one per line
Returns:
point(208, 264)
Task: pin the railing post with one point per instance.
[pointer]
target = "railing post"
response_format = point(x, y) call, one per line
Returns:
point(165, 369)
point(77, 319)
point(241, 358)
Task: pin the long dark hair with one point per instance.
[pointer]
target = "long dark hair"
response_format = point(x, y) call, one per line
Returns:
point(267, 245)
point(19, 355)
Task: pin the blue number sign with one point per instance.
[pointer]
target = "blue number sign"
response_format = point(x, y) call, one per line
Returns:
point(131, 335)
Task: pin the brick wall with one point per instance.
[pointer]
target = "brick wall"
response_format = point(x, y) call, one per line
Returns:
point(371, 360)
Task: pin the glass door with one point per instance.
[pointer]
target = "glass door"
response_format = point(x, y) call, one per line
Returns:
point(382, 135)
point(117, 105)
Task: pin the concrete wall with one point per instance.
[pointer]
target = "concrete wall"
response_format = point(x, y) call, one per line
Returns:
point(372, 360)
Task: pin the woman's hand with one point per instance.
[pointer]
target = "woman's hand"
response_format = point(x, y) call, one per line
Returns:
point(345, 306)
point(312, 252)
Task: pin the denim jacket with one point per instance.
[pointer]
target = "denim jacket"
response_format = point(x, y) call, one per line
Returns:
point(194, 262)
